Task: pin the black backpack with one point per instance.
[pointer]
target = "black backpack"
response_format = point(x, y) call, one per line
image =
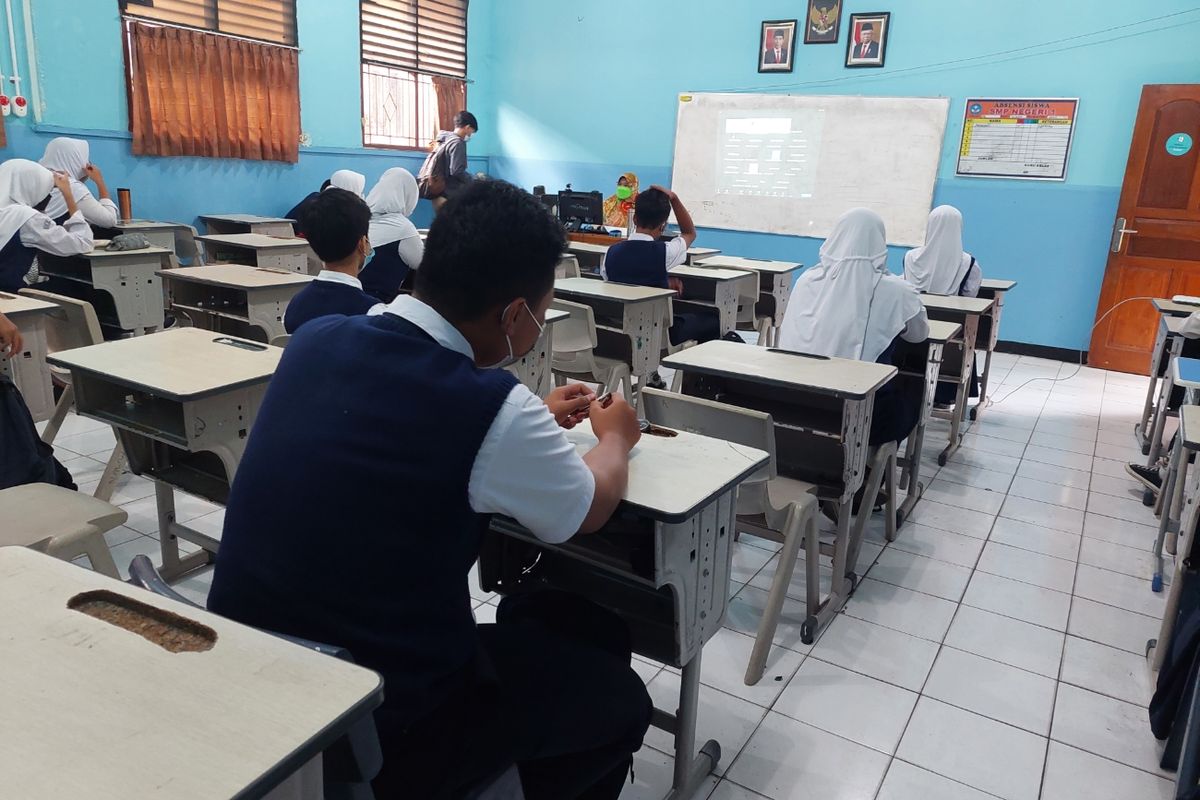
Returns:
point(24, 457)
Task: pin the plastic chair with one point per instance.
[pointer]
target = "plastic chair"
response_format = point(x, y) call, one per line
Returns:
point(60, 522)
point(568, 267)
point(768, 506)
point(574, 357)
point(281, 340)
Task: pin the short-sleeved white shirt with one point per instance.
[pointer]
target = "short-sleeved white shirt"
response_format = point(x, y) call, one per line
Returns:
point(677, 251)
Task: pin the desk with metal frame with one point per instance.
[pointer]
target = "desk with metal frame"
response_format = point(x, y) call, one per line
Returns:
point(129, 277)
point(990, 289)
point(28, 369)
point(248, 223)
point(159, 234)
point(533, 370)
point(1169, 348)
point(1168, 343)
point(966, 311)
point(234, 298)
point(1184, 372)
point(662, 563)
point(268, 252)
point(722, 289)
point(695, 254)
point(775, 281)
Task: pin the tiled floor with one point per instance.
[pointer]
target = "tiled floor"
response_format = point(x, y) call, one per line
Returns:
point(994, 650)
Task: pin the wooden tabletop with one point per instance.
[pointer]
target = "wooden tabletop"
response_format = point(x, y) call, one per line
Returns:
point(182, 363)
point(673, 478)
point(997, 284)
point(1189, 426)
point(839, 377)
point(751, 264)
point(972, 306)
point(702, 252)
point(1186, 372)
point(144, 224)
point(253, 241)
point(1164, 305)
point(237, 276)
point(13, 304)
point(588, 247)
point(94, 710)
point(709, 273)
point(141, 251)
point(940, 331)
point(243, 218)
point(624, 293)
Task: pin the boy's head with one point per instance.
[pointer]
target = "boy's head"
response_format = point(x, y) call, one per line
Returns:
point(489, 267)
point(651, 211)
point(465, 124)
point(326, 184)
point(335, 224)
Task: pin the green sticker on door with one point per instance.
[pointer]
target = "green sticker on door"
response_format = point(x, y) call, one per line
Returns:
point(1179, 144)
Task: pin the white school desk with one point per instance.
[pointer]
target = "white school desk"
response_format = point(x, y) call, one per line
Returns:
point(967, 312)
point(1184, 372)
point(94, 710)
point(996, 289)
point(1187, 444)
point(269, 252)
point(821, 409)
point(640, 313)
point(1165, 306)
point(234, 298)
point(182, 403)
point(695, 254)
point(130, 277)
point(28, 369)
point(589, 255)
point(775, 280)
point(662, 563)
point(159, 234)
point(533, 370)
point(722, 289)
point(1168, 343)
point(248, 223)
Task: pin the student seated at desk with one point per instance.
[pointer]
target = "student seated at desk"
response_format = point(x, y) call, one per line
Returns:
point(73, 156)
point(848, 306)
point(398, 246)
point(337, 232)
point(24, 229)
point(1152, 476)
point(300, 210)
point(403, 438)
point(342, 179)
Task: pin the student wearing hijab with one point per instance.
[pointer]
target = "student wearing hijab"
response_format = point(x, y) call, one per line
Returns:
point(398, 246)
point(346, 179)
point(349, 180)
point(941, 266)
point(621, 202)
point(848, 306)
point(25, 188)
point(73, 156)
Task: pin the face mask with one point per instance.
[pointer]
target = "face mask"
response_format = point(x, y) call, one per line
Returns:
point(624, 193)
point(513, 357)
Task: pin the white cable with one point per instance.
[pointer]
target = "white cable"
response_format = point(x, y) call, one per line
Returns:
point(12, 44)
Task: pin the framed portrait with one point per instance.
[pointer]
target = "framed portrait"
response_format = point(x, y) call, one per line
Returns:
point(777, 46)
point(866, 40)
point(823, 22)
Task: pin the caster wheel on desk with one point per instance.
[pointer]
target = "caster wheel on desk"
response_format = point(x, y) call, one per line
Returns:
point(808, 630)
point(1149, 498)
point(941, 459)
point(712, 749)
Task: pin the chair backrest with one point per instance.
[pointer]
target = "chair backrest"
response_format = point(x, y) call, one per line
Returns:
point(73, 325)
point(748, 302)
point(281, 340)
point(577, 332)
point(716, 420)
point(568, 267)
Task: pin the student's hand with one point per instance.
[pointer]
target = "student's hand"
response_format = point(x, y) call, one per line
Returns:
point(675, 285)
point(670, 195)
point(62, 182)
point(617, 420)
point(10, 338)
point(570, 404)
point(94, 173)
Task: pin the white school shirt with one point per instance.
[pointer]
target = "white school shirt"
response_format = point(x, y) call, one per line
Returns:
point(677, 251)
point(72, 238)
point(526, 467)
point(102, 213)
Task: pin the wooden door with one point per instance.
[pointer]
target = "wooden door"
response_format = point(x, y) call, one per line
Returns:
point(1155, 247)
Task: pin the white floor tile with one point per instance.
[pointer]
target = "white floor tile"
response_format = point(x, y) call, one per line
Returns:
point(1010, 641)
point(878, 652)
point(1039, 539)
point(1069, 442)
point(1038, 513)
point(1058, 458)
point(963, 496)
point(119, 535)
point(723, 717)
point(950, 518)
point(1115, 627)
point(141, 546)
point(653, 772)
point(1111, 529)
point(1105, 727)
point(992, 445)
point(1023, 601)
point(724, 667)
point(980, 752)
point(994, 690)
point(974, 458)
point(1111, 468)
point(1126, 508)
point(485, 614)
point(1050, 473)
point(1119, 452)
point(747, 560)
point(904, 610)
point(745, 613)
point(906, 782)
point(1026, 566)
point(1135, 561)
point(97, 440)
point(1121, 437)
point(1107, 670)
point(974, 476)
point(1072, 774)
point(1047, 492)
point(921, 574)
point(952, 548)
point(727, 790)
point(1123, 487)
point(997, 431)
point(1122, 591)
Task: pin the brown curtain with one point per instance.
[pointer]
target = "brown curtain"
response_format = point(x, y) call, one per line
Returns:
point(198, 94)
point(451, 99)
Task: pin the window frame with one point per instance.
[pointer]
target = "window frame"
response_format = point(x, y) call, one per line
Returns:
point(125, 6)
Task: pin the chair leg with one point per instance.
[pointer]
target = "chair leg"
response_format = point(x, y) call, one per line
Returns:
point(112, 471)
point(65, 401)
point(764, 332)
point(677, 382)
point(91, 545)
point(890, 523)
point(794, 531)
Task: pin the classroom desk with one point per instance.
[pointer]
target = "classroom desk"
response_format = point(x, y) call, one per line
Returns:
point(28, 369)
point(722, 289)
point(182, 403)
point(639, 313)
point(822, 413)
point(989, 331)
point(533, 370)
point(775, 281)
point(1168, 344)
point(662, 563)
point(234, 298)
point(268, 252)
point(94, 710)
point(248, 223)
point(966, 311)
point(1164, 305)
point(1183, 372)
point(695, 254)
point(129, 277)
point(159, 234)
point(1187, 445)
point(590, 254)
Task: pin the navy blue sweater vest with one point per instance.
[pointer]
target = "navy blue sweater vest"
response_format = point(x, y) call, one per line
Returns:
point(349, 521)
point(385, 272)
point(15, 261)
point(322, 298)
point(640, 263)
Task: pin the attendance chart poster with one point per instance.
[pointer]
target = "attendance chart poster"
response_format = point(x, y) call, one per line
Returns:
point(1021, 138)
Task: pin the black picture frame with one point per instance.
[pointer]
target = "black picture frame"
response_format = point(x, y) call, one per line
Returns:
point(765, 52)
point(879, 20)
point(819, 11)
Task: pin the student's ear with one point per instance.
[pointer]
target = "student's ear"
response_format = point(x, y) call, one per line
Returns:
point(510, 314)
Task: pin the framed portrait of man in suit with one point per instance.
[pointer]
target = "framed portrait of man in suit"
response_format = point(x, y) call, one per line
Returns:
point(866, 46)
point(777, 46)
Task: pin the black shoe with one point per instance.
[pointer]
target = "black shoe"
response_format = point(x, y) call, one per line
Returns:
point(1147, 476)
point(655, 381)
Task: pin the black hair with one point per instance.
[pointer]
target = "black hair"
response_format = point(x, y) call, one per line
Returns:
point(326, 184)
point(334, 223)
point(464, 119)
point(652, 208)
point(489, 244)
point(42, 205)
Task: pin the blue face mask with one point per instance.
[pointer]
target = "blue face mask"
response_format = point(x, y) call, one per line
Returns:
point(512, 356)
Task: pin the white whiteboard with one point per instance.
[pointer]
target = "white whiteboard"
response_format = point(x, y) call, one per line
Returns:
point(793, 164)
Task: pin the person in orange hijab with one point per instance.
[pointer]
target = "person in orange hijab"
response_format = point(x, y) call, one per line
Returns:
point(619, 204)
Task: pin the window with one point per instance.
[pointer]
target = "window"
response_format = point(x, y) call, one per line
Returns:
point(266, 20)
point(414, 69)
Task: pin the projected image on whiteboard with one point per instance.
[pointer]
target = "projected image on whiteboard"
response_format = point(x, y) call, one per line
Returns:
point(771, 155)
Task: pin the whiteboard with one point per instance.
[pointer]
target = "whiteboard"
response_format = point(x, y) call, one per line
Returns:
point(793, 164)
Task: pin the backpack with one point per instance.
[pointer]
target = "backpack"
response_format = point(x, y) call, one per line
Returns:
point(24, 457)
point(431, 179)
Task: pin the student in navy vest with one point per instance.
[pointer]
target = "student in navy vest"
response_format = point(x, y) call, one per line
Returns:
point(336, 223)
point(24, 230)
point(382, 446)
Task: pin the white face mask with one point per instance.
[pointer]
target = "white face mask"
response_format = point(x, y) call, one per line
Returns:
point(513, 357)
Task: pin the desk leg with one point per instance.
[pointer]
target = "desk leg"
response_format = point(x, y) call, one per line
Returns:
point(174, 564)
point(1165, 385)
point(997, 310)
point(1142, 429)
point(959, 415)
point(1168, 497)
point(910, 480)
point(690, 770)
point(727, 305)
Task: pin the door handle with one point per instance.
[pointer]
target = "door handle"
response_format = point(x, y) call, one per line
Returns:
point(1119, 234)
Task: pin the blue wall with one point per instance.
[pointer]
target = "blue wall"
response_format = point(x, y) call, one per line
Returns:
point(584, 92)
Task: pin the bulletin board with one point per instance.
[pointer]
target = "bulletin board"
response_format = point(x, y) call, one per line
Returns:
point(1017, 138)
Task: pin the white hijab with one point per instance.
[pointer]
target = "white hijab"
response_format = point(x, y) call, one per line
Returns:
point(72, 157)
point(848, 306)
point(349, 180)
point(392, 200)
point(940, 266)
point(23, 184)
